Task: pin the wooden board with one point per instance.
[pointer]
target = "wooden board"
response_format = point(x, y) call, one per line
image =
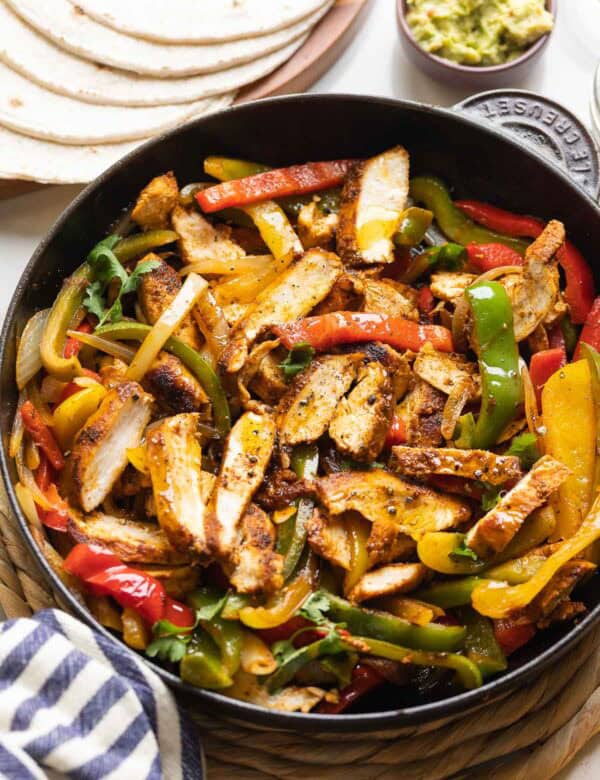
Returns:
point(325, 44)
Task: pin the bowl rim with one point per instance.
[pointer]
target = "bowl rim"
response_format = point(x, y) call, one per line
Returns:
point(474, 70)
point(234, 708)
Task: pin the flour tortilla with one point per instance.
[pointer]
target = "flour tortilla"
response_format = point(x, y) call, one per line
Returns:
point(31, 159)
point(41, 61)
point(197, 21)
point(77, 33)
point(32, 110)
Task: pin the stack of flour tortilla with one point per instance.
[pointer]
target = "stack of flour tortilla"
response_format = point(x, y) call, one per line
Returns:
point(82, 82)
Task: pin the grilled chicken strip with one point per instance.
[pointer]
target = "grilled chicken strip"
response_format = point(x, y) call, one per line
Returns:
point(446, 371)
point(384, 296)
point(175, 463)
point(268, 383)
point(257, 567)
point(552, 603)
point(315, 228)
point(394, 578)
point(387, 544)
point(199, 240)
point(176, 388)
point(290, 296)
point(450, 285)
point(131, 540)
point(361, 421)
point(347, 294)
point(382, 497)
point(373, 198)
point(156, 202)
point(421, 410)
point(535, 294)
point(247, 453)
point(328, 537)
point(99, 454)
point(305, 411)
point(495, 529)
point(156, 291)
point(472, 464)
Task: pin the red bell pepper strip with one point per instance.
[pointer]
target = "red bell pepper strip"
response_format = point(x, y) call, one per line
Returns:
point(483, 257)
point(579, 293)
point(57, 519)
point(543, 364)
point(278, 183)
point(364, 680)
point(347, 327)
point(500, 220)
point(72, 345)
point(73, 387)
point(556, 338)
point(104, 573)
point(397, 433)
point(511, 634)
point(590, 333)
point(42, 435)
point(425, 300)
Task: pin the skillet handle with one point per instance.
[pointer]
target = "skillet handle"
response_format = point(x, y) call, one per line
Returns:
point(546, 126)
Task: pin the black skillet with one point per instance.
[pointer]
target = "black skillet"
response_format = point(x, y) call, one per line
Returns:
point(483, 162)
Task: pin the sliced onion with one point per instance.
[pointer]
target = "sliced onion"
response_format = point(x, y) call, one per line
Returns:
point(32, 455)
point(39, 403)
point(234, 267)
point(51, 389)
point(29, 360)
point(193, 287)
point(255, 656)
point(113, 348)
point(531, 408)
point(212, 324)
point(18, 428)
point(244, 288)
point(27, 504)
point(458, 397)
point(27, 480)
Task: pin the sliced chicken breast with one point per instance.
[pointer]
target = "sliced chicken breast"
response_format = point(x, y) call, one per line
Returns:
point(472, 464)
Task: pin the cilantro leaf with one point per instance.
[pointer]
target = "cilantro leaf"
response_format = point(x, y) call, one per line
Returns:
point(463, 551)
point(105, 267)
point(208, 603)
point(166, 628)
point(525, 448)
point(314, 608)
point(283, 650)
point(491, 495)
point(298, 358)
point(167, 648)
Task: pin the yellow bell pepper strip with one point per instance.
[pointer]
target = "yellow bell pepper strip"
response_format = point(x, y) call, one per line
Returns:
point(538, 527)
point(369, 622)
point(202, 665)
point(481, 645)
point(285, 603)
point(268, 217)
point(141, 243)
point(500, 600)
point(467, 672)
point(70, 415)
point(64, 310)
point(137, 331)
point(414, 223)
point(358, 530)
point(498, 355)
point(443, 551)
point(570, 421)
point(305, 462)
point(593, 361)
point(433, 193)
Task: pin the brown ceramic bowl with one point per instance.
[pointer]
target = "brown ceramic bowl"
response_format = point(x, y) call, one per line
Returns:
point(469, 75)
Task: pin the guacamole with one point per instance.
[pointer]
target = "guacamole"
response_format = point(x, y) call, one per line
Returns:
point(478, 32)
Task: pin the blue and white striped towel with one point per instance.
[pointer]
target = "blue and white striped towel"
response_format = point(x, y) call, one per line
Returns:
point(75, 704)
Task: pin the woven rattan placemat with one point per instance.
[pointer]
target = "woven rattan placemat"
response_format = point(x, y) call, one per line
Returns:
point(530, 734)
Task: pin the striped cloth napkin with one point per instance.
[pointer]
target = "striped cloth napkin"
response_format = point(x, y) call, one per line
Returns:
point(76, 704)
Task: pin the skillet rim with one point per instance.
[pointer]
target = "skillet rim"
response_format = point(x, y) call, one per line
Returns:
point(233, 708)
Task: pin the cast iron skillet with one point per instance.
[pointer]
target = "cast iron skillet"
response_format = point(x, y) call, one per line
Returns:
point(477, 161)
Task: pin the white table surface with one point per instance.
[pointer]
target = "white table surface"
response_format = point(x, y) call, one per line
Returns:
point(374, 63)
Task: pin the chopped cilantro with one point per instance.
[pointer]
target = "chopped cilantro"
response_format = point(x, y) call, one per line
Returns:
point(105, 267)
point(170, 642)
point(525, 448)
point(464, 551)
point(298, 358)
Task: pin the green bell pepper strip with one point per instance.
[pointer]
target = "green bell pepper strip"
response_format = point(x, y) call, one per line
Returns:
point(305, 462)
point(228, 636)
point(481, 646)
point(414, 223)
point(434, 194)
point(332, 644)
point(457, 592)
point(498, 355)
point(467, 671)
point(141, 243)
point(442, 257)
point(235, 602)
point(202, 665)
point(137, 331)
point(379, 625)
point(65, 307)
